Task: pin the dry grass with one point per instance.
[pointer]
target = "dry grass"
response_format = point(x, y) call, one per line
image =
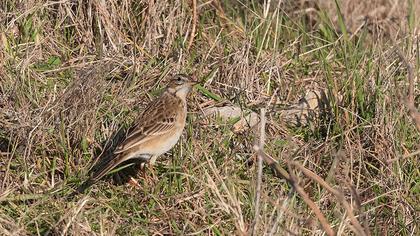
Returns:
point(73, 73)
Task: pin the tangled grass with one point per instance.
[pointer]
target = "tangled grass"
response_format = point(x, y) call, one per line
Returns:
point(73, 73)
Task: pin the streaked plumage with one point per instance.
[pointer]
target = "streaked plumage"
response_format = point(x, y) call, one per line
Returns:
point(156, 131)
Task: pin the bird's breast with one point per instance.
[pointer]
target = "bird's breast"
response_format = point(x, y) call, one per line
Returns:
point(166, 141)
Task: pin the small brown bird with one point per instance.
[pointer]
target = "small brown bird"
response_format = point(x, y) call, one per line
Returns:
point(156, 131)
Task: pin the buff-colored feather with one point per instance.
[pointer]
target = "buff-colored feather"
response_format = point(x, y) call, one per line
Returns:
point(155, 132)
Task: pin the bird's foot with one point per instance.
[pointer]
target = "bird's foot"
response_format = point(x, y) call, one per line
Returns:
point(152, 176)
point(147, 173)
point(133, 182)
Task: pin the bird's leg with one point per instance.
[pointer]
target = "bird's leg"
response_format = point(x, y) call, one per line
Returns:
point(142, 169)
point(146, 167)
point(132, 179)
point(133, 182)
point(151, 165)
point(152, 160)
point(143, 174)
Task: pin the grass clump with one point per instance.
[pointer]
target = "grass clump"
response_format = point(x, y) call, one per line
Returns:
point(73, 73)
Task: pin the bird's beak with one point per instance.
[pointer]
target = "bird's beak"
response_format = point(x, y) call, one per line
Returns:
point(194, 81)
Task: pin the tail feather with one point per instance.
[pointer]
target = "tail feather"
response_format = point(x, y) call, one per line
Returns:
point(105, 166)
point(100, 172)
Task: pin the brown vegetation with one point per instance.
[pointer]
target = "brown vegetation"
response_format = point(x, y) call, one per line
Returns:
point(74, 73)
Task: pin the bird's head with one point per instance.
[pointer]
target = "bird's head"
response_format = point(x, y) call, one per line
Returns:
point(180, 85)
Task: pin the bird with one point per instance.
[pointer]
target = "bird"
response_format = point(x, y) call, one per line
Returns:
point(154, 132)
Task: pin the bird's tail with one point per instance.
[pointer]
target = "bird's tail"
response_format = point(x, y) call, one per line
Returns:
point(103, 169)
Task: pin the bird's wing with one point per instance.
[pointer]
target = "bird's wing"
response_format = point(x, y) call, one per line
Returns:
point(158, 119)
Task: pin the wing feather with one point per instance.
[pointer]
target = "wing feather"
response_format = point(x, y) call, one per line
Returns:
point(155, 120)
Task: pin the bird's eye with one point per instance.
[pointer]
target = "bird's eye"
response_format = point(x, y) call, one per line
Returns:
point(179, 80)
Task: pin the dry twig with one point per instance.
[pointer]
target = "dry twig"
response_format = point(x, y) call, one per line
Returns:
point(358, 227)
point(409, 101)
point(305, 197)
point(194, 24)
point(260, 167)
point(281, 173)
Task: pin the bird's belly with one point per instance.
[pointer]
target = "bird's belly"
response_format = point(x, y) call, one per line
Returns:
point(169, 142)
point(158, 146)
